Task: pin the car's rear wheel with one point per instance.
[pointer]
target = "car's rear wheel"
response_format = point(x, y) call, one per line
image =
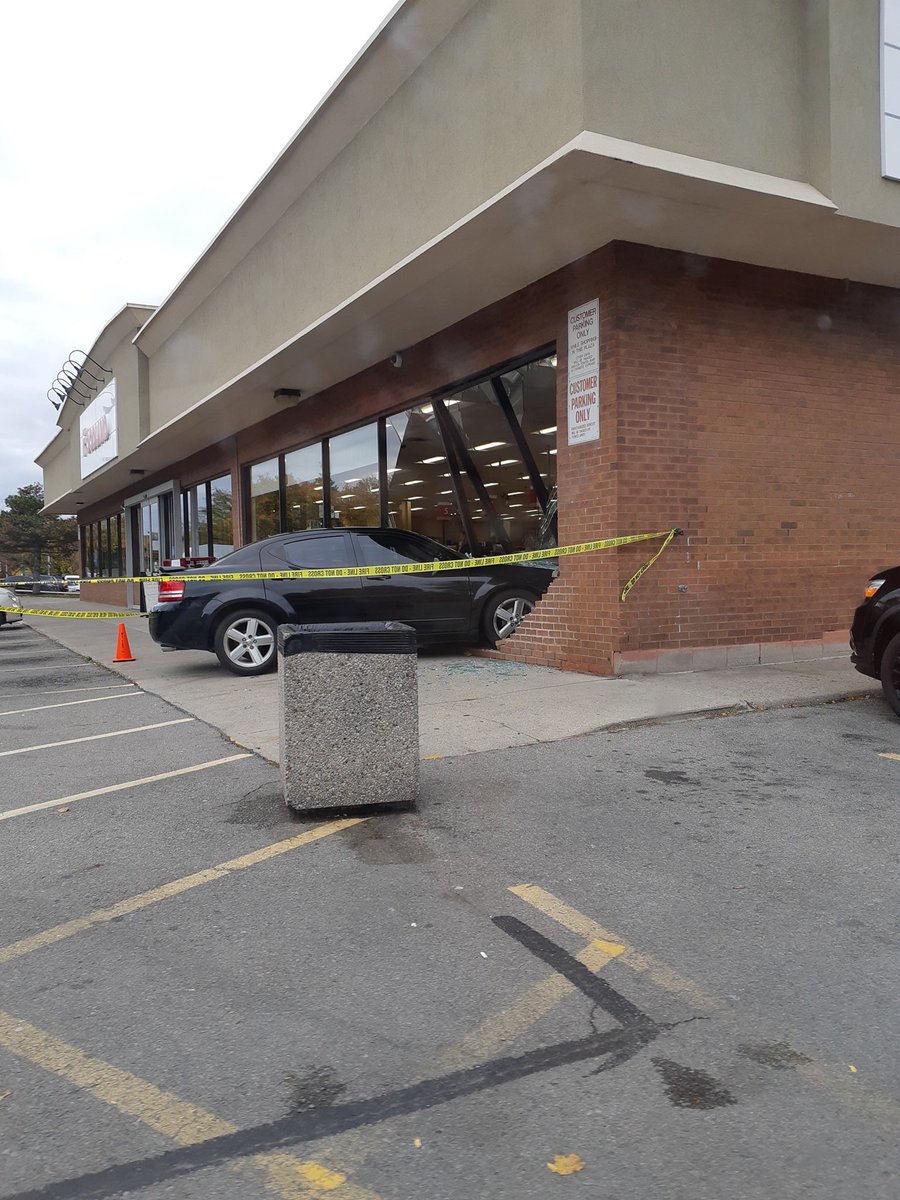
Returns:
point(890, 673)
point(245, 642)
point(505, 612)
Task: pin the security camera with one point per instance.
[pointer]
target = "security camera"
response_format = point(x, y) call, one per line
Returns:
point(396, 359)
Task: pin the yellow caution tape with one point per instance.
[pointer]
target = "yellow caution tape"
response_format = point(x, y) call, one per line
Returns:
point(424, 568)
point(62, 612)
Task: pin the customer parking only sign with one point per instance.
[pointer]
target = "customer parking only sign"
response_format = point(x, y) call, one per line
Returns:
point(584, 373)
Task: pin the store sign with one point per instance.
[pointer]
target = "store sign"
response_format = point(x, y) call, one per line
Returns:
point(584, 373)
point(98, 430)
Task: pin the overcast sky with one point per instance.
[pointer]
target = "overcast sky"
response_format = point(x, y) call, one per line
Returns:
point(128, 136)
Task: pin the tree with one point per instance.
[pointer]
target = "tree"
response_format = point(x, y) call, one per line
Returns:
point(27, 533)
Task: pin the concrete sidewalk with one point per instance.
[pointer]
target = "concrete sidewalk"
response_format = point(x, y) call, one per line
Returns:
point(466, 705)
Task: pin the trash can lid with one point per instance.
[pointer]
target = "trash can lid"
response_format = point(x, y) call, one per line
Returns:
point(357, 637)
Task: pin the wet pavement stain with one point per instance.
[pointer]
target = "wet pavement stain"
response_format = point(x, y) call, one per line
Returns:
point(671, 777)
point(371, 845)
point(689, 1088)
point(778, 1055)
point(316, 1087)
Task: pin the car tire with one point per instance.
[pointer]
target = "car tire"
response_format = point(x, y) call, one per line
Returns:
point(504, 613)
point(890, 673)
point(245, 642)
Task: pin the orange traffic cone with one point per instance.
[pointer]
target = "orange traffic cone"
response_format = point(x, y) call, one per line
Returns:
point(123, 650)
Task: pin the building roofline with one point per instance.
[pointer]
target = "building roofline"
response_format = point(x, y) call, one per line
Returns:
point(397, 48)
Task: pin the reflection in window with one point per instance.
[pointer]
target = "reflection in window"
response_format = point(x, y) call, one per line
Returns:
point(354, 477)
point(305, 506)
point(202, 525)
point(265, 512)
point(220, 516)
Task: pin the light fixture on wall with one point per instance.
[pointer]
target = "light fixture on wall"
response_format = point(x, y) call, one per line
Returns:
point(396, 359)
point(287, 395)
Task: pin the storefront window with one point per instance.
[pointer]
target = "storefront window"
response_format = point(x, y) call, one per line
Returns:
point(303, 487)
point(202, 525)
point(220, 521)
point(421, 493)
point(474, 469)
point(355, 497)
point(265, 508)
point(102, 549)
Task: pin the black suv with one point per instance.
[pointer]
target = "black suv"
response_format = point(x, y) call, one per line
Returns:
point(875, 636)
point(238, 619)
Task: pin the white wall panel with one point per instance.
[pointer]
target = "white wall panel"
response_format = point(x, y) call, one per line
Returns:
point(890, 88)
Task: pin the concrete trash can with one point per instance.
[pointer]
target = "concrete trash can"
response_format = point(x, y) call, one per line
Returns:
point(348, 715)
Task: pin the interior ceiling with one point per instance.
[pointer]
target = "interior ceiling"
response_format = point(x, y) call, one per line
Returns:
point(574, 204)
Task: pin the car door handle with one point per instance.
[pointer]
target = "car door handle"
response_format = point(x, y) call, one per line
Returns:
point(380, 578)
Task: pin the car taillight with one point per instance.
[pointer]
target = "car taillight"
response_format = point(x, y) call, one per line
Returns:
point(872, 587)
point(171, 589)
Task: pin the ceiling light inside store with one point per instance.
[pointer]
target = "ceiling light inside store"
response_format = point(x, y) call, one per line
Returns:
point(552, 451)
point(393, 470)
point(489, 445)
point(506, 462)
point(429, 461)
point(449, 492)
point(317, 487)
point(516, 493)
point(426, 409)
point(417, 508)
point(517, 505)
point(356, 480)
point(359, 507)
point(412, 482)
point(415, 497)
point(549, 429)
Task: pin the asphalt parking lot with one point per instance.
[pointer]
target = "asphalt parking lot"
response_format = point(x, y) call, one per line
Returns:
point(660, 961)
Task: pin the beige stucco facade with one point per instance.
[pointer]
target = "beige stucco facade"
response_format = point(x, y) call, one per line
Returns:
point(477, 145)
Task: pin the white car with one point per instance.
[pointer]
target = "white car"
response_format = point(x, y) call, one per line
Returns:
point(72, 583)
point(9, 606)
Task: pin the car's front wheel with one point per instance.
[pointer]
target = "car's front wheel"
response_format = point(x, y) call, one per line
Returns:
point(890, 673)
point(504, 613)
point(245, 642)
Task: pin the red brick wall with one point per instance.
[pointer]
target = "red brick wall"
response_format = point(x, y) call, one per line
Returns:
point(758, 409)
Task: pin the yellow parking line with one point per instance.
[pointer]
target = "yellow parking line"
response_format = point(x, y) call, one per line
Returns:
point(836, 1080)
point(895, 757)
point(664, 977)
point(135, 903)
point(165, 1113)
point(501, 1029)
point(119, 787)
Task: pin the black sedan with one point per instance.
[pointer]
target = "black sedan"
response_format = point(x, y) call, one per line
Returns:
point(238, 619)
point(875, 635)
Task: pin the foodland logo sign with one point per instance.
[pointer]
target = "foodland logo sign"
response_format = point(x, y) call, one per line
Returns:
point(99, 441)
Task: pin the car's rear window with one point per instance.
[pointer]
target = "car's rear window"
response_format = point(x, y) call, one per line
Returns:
point(312, 553)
